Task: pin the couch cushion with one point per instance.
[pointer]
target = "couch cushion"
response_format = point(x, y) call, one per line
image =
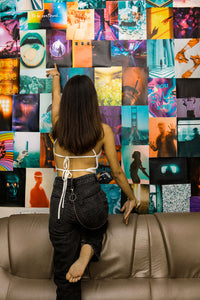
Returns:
point(29, 246)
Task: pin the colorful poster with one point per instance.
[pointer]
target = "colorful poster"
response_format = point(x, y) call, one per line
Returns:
point(5, 113)
point(80, 23)
point(47, 159)
point(187, 58)
point(9, 42)
point(129, 53)
point(54, 16)
point(12, 188)
point(6, 151)
point(186, 3)
point(135, 125)
point(108, 83)
point(58, 49)
point(162, 97)
point(9, 76)
point(160, 3)
point(82, 54)
point(188, 107)
point(92, 4)
point(194, 175)
point(106, 22)
point(132, 20)
point(7, 7)
point(45, 112)
point(134, 86)
point(113, 194)
point(155, 198)
point(26, 5)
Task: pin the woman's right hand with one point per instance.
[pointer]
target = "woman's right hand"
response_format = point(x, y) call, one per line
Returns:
point(53, 72)
point(127, 209)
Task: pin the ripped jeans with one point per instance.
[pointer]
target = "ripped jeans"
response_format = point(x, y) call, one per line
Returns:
point(83, 220)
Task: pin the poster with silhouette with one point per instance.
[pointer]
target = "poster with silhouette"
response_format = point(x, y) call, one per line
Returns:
point(47, 159)
point(160, 23)
point(101, 54)
point(104, 171)
point(135, 125)
point(135, 163)
point(113, 194)
point(188, 107)
point(9, 42)
point(54, 15)
point(28, 5)
point(186, 22)
point(188, 137)
point(187, 58)
point(108, 84)
point(106, 22)
point(131, 53)
point(26, 149)
point(111, 115)
point(45, 112)
point(12, 188)
point(162, 137)
point(132, 20)
point(134, 86)
point(6, 113)
point(6, 151)
point(9, 75)
point(80, 22)
point(162, 97)
point(67, 73)
point(39, 184)
point(58, 49)
point(25, 113)
point(34, 82)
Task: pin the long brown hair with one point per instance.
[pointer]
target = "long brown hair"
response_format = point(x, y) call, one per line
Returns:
point(79, 126)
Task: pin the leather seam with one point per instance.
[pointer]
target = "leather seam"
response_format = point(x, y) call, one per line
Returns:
point(150, 260)
point(133, 248)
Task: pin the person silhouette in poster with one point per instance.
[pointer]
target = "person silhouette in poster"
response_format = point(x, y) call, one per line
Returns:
point(135, 166)
point(38, 196)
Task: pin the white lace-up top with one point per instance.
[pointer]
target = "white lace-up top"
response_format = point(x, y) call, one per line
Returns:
point(66, 172)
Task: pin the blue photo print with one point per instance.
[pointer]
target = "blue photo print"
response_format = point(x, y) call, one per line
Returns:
point(113, 193)
point(135, 125)
point(160, 58)
point(159, 3)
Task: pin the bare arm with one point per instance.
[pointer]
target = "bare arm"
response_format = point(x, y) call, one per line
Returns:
point(56, 94)
point(117, 172)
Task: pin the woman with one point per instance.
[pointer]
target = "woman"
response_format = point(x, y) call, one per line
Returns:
point(79, 208)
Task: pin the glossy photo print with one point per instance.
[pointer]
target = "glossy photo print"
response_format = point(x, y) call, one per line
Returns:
point(188, 137)
point(9, 37)
point(12, 188)
point(26, 150)
point(101, 54)
point(194, 175)
point(186, 87)
point(188, 107)
point(162, 137)
point(92, 4)
point(47, 159)
point(129, 53)
point(113, 194)
point(6, 151)
point(132, 20)
point(155, 198)
point(135, 162)
point(187, 58)
point(176, 197)
point(54, 16)
point(82, 54)
point(45, 112)
point(6, 113)
point(108, 84)
point(134, 86)
point(39, 184)
point(186, 22)
point(162, 97)
point(160, 3)
point(111, 115)
point(28, 5)
point(35, 82)
point(186, 3)
point(135, 125)
point(160, 58)
point(141, 191)
point(58, 49)
point(25, 113)
point(9, 74)
point(33, 49)
point(160, 23)
point(80, 22)
point(7, 7)
point(106, 22)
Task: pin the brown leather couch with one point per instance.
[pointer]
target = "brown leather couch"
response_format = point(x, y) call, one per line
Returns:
point(155, 257)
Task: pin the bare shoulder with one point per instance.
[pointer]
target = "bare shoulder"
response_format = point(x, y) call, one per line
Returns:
point(107, 131)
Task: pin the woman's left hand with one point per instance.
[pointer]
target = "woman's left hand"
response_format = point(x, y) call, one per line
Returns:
point(127, 208)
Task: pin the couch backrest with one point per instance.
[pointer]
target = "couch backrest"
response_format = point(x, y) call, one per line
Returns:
point(25, 245)
point(157, 246)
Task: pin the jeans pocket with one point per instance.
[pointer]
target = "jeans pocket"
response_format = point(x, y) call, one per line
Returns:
point(92, 211)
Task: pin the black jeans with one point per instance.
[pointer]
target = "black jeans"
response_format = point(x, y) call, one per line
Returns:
point(83, 220)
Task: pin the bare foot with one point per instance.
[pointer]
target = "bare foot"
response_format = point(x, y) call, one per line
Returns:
point(77, 269)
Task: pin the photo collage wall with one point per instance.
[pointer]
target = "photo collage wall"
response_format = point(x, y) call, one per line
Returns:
point(144, 59)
